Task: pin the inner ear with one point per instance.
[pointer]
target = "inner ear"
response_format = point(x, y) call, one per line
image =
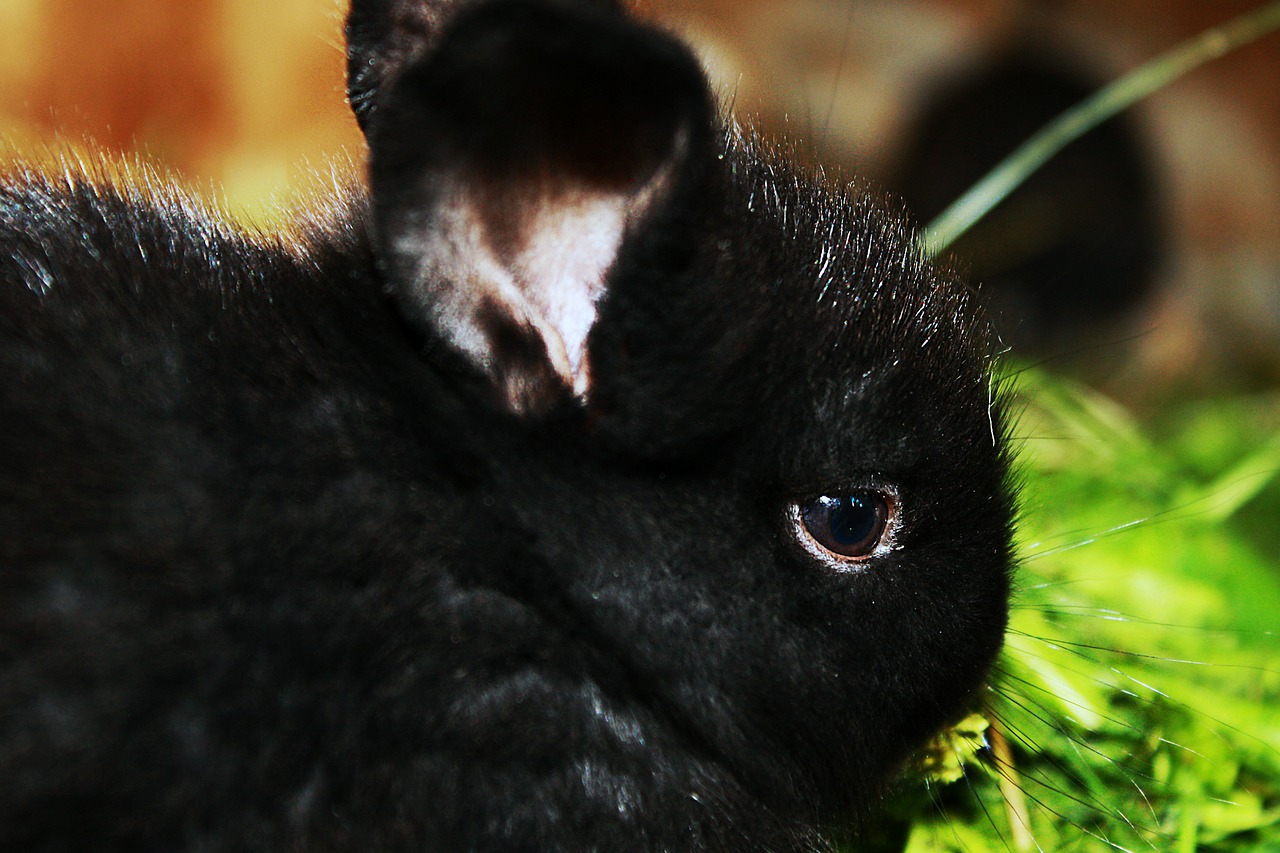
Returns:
point(508, 168)
point(558, 241)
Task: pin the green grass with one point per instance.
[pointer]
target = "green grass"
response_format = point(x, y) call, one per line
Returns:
point(1137, 703)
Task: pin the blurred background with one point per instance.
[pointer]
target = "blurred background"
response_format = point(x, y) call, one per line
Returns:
point(1147, 258)
point(241, 95)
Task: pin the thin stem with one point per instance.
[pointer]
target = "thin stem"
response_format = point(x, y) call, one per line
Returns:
point(1011, 789)
point(1088, 114)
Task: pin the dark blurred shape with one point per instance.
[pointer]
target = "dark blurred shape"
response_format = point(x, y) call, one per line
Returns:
point(1067, 258)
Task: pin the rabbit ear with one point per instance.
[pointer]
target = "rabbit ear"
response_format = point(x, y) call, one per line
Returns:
point(385, 36)
point(509, 165)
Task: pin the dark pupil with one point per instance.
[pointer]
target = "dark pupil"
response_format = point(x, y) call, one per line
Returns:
point(848, 525)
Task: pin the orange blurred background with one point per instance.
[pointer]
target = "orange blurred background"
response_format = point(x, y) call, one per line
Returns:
point(243, 95)
point(244, 98)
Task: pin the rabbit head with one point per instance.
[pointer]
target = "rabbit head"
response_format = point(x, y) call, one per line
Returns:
point(750, 433)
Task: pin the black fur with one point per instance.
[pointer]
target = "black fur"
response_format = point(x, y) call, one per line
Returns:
point(285, 567)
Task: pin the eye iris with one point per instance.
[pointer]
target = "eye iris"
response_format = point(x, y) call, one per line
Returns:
point(847, 525)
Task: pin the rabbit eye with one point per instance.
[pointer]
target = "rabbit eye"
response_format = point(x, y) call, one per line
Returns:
point(846, 529)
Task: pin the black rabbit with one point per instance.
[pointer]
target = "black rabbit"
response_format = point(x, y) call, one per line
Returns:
point(592, 483)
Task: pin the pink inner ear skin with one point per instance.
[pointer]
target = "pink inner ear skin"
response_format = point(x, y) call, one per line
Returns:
point(546, 252)
point(566, 240)
point(569, 244)
point(537, 259)
point(525, 258)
